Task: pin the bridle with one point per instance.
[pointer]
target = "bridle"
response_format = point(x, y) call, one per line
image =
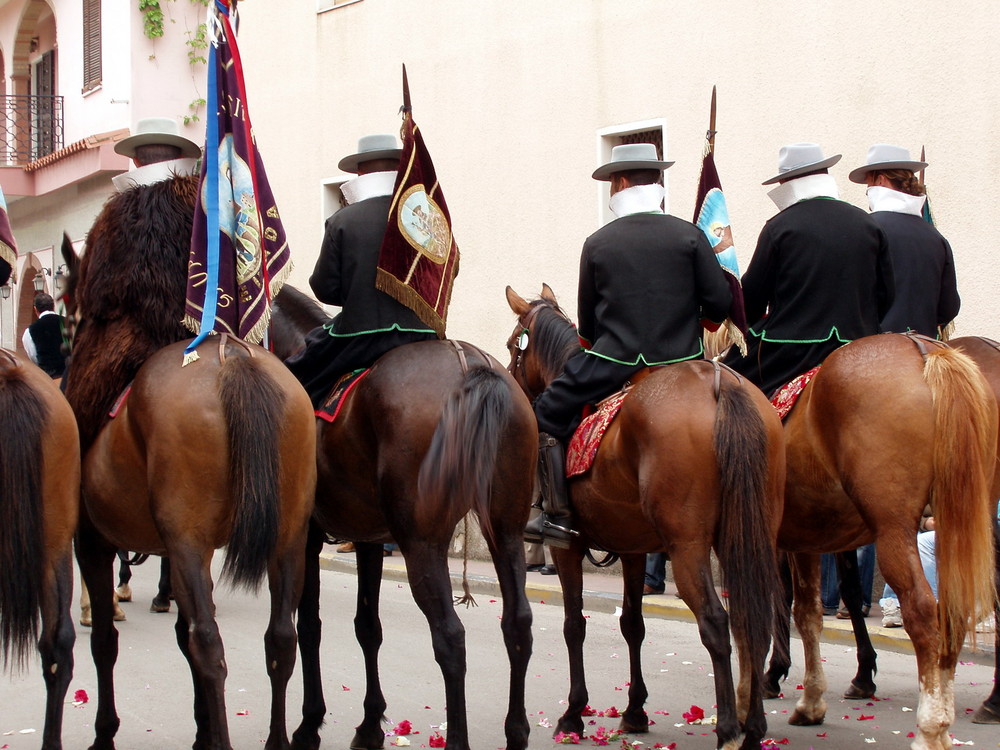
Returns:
point(518, 342)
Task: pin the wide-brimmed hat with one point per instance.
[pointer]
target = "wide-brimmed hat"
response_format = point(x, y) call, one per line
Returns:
point(162, 131)
point(883, 156)
point(630, 156)
point(798, 159)
point(370, 148)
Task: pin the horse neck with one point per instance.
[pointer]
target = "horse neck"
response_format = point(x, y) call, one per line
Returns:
point(557, 342)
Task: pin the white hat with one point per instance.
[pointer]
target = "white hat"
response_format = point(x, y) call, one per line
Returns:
point(630, 156)
point(370, 148)
point(799, 159)
point(883, 156)
point(161, 131)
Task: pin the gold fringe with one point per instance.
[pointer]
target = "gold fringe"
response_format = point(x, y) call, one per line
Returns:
point(386, 282)
point(189, 358)
point(948, 331)
point(716, 342)
point(8, 253)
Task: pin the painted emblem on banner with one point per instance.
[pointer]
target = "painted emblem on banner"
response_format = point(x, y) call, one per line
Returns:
point(238, 215)
point(423, 224)
point(713, 220)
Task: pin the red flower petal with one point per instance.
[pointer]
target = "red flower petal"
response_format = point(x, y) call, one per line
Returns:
point(80, 696)
point(694, 714)
point(865, 718)
point(436, 740)
point(402, 728)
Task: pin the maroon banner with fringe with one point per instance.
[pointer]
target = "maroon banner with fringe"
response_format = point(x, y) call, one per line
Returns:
point(8, 247)
point(418, 261)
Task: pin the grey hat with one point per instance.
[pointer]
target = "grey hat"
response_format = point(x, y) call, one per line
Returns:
point(370, 148)
point(630, 156)
point(161, 131)
point(883, 156)
point(799, 159)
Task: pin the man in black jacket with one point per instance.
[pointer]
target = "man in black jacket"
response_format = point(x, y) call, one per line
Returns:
point(646, 281)
point(923, 266)
point(821, 274)
point(43, 339)
point(370, 322)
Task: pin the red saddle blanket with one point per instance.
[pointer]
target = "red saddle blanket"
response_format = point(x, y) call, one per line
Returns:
point(789, 393)
point(333, 403)
point(587, 438)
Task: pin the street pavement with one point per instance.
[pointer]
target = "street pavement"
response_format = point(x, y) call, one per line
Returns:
point(154, 687)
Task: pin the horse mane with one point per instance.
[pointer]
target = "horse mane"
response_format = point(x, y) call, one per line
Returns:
point(554, 336)
point(129, 292)
point(293, 315)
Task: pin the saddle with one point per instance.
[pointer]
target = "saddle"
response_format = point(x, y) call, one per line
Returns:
point(332, 404)
point(789, 393)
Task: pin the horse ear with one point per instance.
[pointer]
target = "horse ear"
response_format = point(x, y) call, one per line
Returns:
point(548, 294)
point(517, 303)
point(69, 254)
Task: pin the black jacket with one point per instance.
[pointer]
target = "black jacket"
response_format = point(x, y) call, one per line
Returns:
point(46, 332)
point(821, 271)
point(345, 272)
point(646, 280)
point(924, 272)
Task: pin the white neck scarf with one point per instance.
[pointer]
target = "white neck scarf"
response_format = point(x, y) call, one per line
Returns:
point(371, 185)
point(886, 199)
point(802, 189)
point(638, 199)
point(153, 173)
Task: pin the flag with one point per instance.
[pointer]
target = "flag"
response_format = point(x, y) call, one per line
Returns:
point(418, 260)
point(239, 257)
point(712, 216)
point(8, 248)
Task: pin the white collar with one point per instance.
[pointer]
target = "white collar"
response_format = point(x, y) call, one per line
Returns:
point(47, 312)
point(153, 173)
point(802, 189)
point(886, 199)
point(638, 199)
point(371, 185)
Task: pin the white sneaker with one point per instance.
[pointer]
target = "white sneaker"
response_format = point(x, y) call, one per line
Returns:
point(891, 617)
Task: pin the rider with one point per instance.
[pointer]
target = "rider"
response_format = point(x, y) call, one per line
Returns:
point(43, 339)
point(926, 298)
point(646, 281)
point(370, 322)
point(821, 274)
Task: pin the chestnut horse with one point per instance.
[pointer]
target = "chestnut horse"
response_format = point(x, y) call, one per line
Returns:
point(694, 461)
point(986, 354)
point(436, 429)
point(39, 506)
point(219, 452)
point(889, 424)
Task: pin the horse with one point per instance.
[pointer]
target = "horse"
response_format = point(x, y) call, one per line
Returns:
point(986, 354)
point(219, 452)
point(436, 429)
point(888, 424)
point(693, 461)
point(39, 507)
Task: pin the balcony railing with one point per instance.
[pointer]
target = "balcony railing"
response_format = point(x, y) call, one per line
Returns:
point(32, 127)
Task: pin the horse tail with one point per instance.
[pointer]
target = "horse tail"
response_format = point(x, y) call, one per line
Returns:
point(22, 547)
point(462, 455)
point(746, 552)
point(963, 462)
point(253, 405)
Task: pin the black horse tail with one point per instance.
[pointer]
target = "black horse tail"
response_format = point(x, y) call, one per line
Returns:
point(21, 523)
point(253, 405)
point(746, 551)
point(462, 455)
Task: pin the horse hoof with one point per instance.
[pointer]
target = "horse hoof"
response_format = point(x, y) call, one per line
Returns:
point(159, 606)
point(634, 725)
point(771, 693)
point(124, 593)
point(859, 692)
point(986, 714)
point(569, 725)
point(798, 719)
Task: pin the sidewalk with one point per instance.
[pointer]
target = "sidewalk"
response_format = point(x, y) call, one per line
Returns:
point(603, 593)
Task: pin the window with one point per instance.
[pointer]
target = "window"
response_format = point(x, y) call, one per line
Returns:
point(647, 131)
point(91, 44)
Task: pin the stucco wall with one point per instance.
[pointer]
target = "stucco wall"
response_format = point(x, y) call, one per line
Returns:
point(510, 97)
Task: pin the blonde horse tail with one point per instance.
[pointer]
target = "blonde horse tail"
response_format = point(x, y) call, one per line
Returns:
point(964, 455)
point(745, 550)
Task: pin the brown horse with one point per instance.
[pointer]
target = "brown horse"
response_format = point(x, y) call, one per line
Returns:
point(216, 453)
point(39, 506)
point(885, 427)
point(435, 430)
point(694, 461)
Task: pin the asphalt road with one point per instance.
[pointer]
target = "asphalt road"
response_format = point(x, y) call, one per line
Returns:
point(154, 685)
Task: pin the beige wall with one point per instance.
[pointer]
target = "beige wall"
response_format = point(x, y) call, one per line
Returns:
point(510, 97)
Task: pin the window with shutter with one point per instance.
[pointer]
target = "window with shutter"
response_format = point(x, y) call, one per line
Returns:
point(91, 44)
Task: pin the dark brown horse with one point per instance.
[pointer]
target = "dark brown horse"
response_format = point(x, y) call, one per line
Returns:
point(887, 425)
point(39, 506)
point(435, 430)
point(216, 453)
point(694, 461)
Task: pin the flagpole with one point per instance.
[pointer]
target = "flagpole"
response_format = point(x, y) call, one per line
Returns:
point(406, 109)
point(922, 158)
point(710, 135)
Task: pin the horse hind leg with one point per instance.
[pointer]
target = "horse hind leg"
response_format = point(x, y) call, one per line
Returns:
point(56, 645)
point(634, 718)
point(781, 660)
point(368, 630)
point(807, 611)
point(306, 736)
point(863, 684)
point(569, 565)
point(989, 711)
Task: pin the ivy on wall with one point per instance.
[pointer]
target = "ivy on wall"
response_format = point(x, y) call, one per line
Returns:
point(196, 43)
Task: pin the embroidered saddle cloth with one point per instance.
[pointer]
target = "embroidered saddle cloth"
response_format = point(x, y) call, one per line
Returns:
point(789, 393)
point(587, 438)
point(332, 404)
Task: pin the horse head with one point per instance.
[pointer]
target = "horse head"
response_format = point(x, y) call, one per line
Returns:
point(542, 341)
